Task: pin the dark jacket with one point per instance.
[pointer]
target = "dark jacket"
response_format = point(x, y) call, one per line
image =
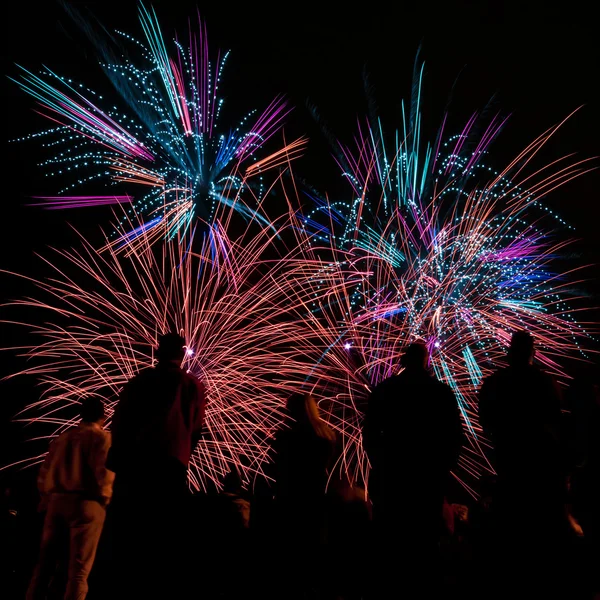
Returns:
point(412, 431)
point(520, 412)
point(159, 416)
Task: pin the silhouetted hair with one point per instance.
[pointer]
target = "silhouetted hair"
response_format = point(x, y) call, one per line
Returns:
point(415, 355)
point(171, 346)
point(521, 348)
point(305, 412)
point(92, 410)
point(232, 482)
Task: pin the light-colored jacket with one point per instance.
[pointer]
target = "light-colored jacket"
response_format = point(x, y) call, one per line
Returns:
point(76, 463)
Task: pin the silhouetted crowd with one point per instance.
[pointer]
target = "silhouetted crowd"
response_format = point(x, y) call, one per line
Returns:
point(116, 518)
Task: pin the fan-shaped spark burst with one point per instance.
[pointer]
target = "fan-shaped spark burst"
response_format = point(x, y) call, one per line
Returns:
point(239, 300)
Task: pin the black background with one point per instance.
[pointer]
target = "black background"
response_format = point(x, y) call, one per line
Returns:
point(538, 62)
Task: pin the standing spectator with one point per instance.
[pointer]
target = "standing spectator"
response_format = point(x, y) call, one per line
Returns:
point(156, 426)
point(584, 395)
point(303, 454)
point(520, 412)
point(225, 550)
point(75, 486)
point(412, 434)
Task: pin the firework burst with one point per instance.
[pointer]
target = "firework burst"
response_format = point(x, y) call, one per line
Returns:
point(168, 145)
point(240, 301)
point(443, 249)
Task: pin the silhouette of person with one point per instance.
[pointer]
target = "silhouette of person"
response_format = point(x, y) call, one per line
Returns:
point(584, 395)
point(520, 412)
point(412, 434)
point(303, 453)
point(224, 526)
point(75, 486)
point(348, 531)
point(156, 426)
point(235, 506)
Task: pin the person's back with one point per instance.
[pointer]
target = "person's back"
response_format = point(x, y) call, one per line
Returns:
point(76, 464)
point(412, 431)
point(75, 486)
point(302, 461)
point(303, 454)
point(418, 424)
point(160, 418)
point(156, 426)
point(158, 421)
point(412, 434)
point(520, 413)
point(519, 410)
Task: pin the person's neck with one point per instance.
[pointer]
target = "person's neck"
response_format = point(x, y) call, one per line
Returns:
point(415, 370)
point(520, 365)
point(175, 363)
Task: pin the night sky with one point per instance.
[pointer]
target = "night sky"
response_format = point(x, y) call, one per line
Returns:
point(536, 64)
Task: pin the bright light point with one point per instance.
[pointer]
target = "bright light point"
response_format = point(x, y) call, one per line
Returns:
point(347, 345)
point(437, 344)
point(189, 352)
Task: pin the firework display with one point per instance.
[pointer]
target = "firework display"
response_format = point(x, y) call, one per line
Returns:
point(431, 243)
point(166, 142)
point(239, 302)
point(450, 252)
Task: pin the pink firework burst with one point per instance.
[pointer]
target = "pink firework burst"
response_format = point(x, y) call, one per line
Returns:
point(239, 299)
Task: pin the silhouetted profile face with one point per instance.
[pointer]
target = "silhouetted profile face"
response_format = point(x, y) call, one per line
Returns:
point(299, 405)
point(171, 348)
point(522, 349)
point(92, 410)
point(415, 356)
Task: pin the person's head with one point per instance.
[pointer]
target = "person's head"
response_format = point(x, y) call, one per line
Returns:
point(415, 356)
point(92, 410)
point(303, 409)
point(522, 349)
point(232, 482)
point(171, 348)
point(300, 405)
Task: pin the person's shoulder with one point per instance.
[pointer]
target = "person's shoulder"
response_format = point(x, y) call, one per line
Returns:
point(439, 383)
point(441, 386)
point(543, 374)
point(103, 433)
point(388, 382)
point(141, 376)
point(78, 434)
point(547, 380)
point(191, 378)
point(100, 435)
point(192, 382)
point(64, 436)
point(498, 375)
